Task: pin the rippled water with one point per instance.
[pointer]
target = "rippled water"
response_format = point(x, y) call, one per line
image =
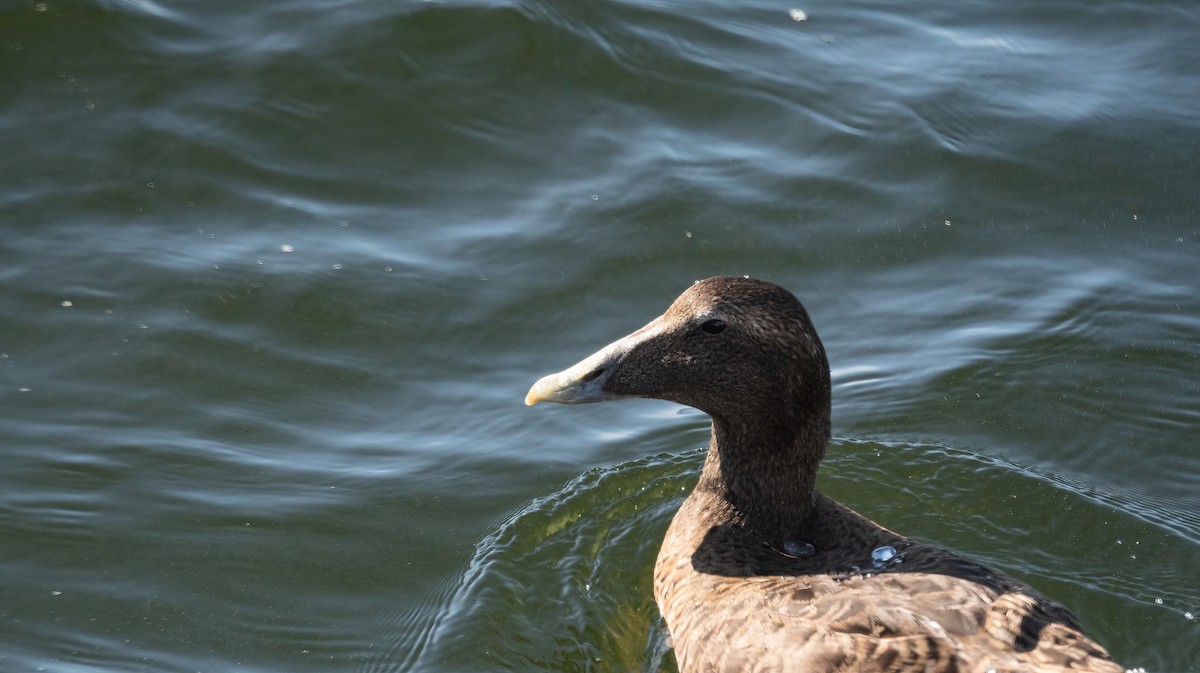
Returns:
point(276, 276)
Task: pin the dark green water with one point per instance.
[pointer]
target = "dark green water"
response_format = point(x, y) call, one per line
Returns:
point(275, 277)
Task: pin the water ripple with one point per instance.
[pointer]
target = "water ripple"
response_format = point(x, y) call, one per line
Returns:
point(578, 563)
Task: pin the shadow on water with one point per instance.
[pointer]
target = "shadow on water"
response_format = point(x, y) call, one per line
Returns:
point(562, 585)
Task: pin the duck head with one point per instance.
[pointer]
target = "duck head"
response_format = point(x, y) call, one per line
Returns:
point(736, 348)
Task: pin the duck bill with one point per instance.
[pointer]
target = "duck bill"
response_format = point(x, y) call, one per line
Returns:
point(583, 382)
point(586, 381)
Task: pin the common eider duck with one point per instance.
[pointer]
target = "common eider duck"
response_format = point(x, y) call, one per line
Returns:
point(759, 571)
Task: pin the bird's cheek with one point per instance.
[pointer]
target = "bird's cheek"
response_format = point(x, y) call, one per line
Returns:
point(677, 359)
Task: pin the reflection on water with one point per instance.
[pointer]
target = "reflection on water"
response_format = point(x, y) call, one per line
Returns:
point(590, 549)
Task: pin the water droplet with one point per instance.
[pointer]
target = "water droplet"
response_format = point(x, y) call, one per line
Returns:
point(337, 266)
point(287, 248)
point(798, 548)
point(24, 390)
point(1158, 601)
point(882, 555)
point(67, 304)
point(387, 269)
point(595, 197)
point(798, 15)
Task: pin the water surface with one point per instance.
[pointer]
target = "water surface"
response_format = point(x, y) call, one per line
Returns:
point(276, 276)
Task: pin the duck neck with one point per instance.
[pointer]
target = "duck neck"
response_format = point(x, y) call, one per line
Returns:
point(766, 473)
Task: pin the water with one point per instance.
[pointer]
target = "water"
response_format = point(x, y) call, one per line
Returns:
point(881, 555)
point(276, 277)
point(798, 549)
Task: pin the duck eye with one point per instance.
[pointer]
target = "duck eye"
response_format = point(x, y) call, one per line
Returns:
point(713, 326)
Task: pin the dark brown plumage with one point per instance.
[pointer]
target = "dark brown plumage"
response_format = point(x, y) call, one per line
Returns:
point(758, 571)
